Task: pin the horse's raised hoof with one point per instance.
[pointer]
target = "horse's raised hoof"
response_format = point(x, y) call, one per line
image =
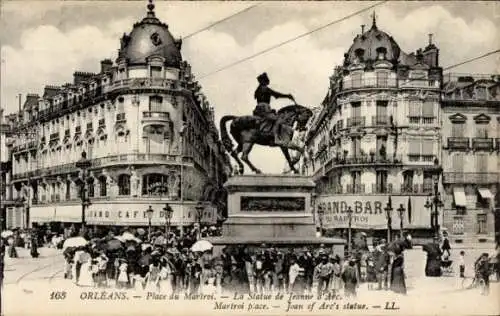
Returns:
point(241, 170)
point(257, 171)
point(295, 171)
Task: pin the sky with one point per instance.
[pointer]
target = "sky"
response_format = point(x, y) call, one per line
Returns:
point(44, 42)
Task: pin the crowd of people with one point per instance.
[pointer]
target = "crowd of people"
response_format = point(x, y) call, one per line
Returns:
point(189, 264)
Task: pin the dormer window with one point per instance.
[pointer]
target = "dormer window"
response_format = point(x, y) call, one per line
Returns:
point(360, 53)
point(381, 53)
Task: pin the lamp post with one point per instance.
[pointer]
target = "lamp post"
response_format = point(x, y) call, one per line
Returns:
point(321, 212)
point(181, 191)
point(349, 236)
point(401, 210)
point(84, 164)
point(388, 214)
point(199, 212)
point(149, 213)
point(433, 203)
point(168, 217)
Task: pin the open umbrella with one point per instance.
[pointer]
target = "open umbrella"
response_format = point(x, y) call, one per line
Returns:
point(75, 242)
point(129, 237)
point(7, 233)
point(113, 245)
point(201, 246)
point(409, 210)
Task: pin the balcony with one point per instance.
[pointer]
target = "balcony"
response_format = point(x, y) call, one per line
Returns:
point(120, 118)
point(355, 188)
point(414, 157)
point(351, 83)
point(356, 121)
point(379, 188)
point(497, 144)
point(479, 143)
point(54, 136)
point(102, 123)
point(427, 158)
point(145, 83)
point(411, 188)
point(381, 120)
point(427, 187)
point(428, 120)
point(458, 143)
point(90, 128)
point(78, 130)
point(471, 177)
point(156, 116)
point(414, 119)
point(66, 133)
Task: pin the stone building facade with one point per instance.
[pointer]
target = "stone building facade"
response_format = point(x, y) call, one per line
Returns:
point(146, 128)
point(377, 136)
point(471, 144)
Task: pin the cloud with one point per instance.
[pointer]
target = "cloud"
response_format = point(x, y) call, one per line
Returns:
point(47, 54)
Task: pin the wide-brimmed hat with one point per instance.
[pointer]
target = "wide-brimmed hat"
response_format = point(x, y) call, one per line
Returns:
point(262, 77)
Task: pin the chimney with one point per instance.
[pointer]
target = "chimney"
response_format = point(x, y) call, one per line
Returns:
point(430, 39)
point(81, 76)
point(362, 28)
point(50, 91)
point(106, 65)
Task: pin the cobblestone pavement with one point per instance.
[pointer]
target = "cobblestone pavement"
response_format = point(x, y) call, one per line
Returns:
point(29, 284)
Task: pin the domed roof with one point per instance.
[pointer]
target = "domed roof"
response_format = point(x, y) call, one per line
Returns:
point(372, 43)
point(150, 37)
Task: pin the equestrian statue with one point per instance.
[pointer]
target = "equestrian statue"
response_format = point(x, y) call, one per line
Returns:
point(266, 127)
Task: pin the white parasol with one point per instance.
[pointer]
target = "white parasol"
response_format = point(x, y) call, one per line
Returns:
point(7, 233)
point(201, 246)
point(129, 237)
point(74, 242)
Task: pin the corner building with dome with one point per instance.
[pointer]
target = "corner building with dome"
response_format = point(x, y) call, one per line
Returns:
point(148, 133)
point(376, 138)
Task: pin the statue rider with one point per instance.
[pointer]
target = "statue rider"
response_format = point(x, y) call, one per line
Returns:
point(263, 109)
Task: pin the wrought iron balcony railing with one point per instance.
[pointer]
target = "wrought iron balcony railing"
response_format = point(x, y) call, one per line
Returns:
point(120, 117)
point(382, 188)
point(355, 188)
point(356, 121)
point(470, 177)
point(380, 120)
point(460, 143)
point(479, 143)
point(156, 115)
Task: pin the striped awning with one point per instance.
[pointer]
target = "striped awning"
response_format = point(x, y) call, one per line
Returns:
point(459, 197)
point(485, 193)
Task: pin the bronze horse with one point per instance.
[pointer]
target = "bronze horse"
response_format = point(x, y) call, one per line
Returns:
point(247, 131)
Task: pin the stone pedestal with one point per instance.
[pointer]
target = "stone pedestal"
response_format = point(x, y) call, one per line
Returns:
point(271, 209)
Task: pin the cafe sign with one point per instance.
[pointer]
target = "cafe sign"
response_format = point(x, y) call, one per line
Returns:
point(368, 211)
point(135, 214)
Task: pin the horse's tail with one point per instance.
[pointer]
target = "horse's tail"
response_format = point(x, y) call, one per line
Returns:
point(226, 141)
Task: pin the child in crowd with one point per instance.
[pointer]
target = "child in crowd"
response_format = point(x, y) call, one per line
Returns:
point(462, 264)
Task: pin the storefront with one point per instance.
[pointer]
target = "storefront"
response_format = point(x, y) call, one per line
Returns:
point(122, 214)
point(368, 212)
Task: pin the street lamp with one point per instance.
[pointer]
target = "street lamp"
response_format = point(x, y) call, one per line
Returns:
point(168, 216)
point(401, 210)
point(84, 164)
point(388, 214)
point(321, 213)
point(199, 212)
point(433, 204)
point(149, 213)
point(349, 236)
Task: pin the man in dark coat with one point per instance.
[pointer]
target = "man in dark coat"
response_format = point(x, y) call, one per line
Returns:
point(381, 259)
point(350, 278)
point(433, 263)
point(446, 246)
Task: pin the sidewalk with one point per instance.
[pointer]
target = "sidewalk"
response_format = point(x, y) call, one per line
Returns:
point(23, 253)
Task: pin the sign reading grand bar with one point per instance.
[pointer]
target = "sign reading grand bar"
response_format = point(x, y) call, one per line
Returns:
point(368, 211)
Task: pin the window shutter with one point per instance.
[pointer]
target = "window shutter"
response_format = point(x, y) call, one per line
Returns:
point(414, 147)
point(415, 107)
point(458, 162)
point(427, 147)
point(482, 163)
point(457, 130)
point(428, 109)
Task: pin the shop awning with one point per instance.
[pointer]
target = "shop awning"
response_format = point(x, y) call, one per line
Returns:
point(459, 197)
point(485, 193)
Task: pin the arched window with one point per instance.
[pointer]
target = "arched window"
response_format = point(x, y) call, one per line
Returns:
point(155, 185)
point(103, 186)
point(124, 184)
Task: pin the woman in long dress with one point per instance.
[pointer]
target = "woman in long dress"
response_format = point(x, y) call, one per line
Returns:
point(86, 278)
point(153, 277)
point(398, 284)
point(166, 278)
point(122, 281)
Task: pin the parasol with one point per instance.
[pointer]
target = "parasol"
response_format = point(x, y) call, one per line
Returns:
point(173, 251)
point(146, 246)
point(7, 233)
point(129, 237)
point(201, 246)
point(114, 244)
point(160, 240)
point(75, 242)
